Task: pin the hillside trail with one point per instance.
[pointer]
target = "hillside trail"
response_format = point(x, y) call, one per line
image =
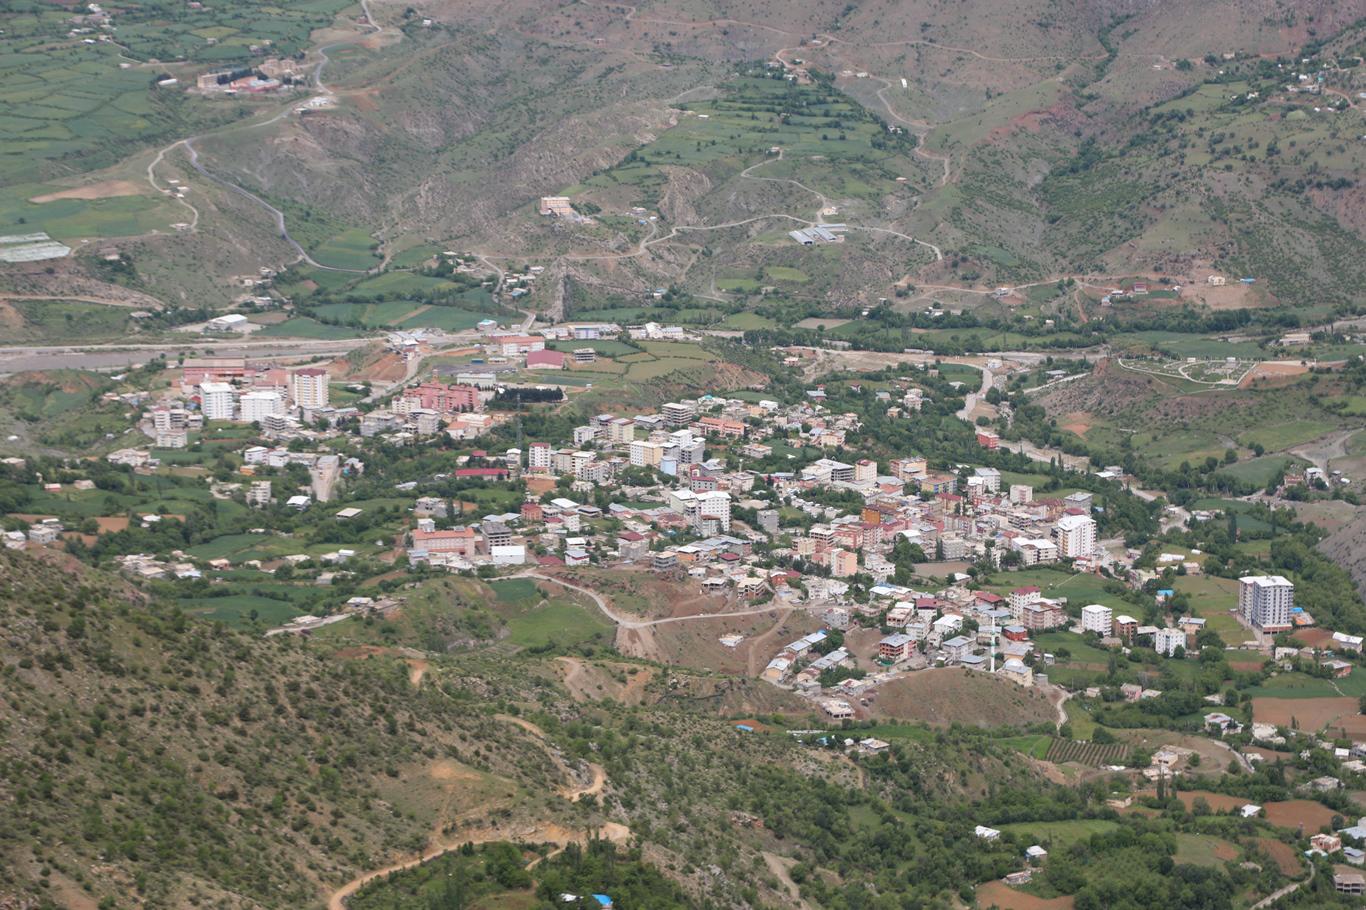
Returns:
point(537, 833)
point(278, 216)
point(632, 623)
point(573, 792)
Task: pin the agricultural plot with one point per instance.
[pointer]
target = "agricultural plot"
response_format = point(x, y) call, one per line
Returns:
point(1059, 835)
point(303, 327)
point(1093, 754)
point(754, 115)
point(72, 107)
point(353, 248)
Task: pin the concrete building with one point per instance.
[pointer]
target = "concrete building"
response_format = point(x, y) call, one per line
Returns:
point(1097, 618)
point(1266, 601)
point(1075, 536)
point(1166, 641)
point(215, 400)
point(257, 406)
point(309, 387)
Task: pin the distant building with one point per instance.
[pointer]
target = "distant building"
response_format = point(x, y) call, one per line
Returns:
point(1266, 601)
point(1097, 618)
point(215, 400)
point(309, 387)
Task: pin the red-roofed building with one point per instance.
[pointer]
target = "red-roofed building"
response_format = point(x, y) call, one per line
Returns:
point(722, 427)
point(632, 546)
point(444, 399)
point(545, 360)
point(532, 513)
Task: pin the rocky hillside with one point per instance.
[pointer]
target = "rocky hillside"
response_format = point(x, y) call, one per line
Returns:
point(1347, 547)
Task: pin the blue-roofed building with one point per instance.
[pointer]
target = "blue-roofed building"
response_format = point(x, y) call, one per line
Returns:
point(603, 900)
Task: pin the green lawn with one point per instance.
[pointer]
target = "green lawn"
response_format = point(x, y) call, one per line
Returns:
point(1201, 849)
point(559, 623)
point(350, 249)
point(236, 609)
point(1059, 835)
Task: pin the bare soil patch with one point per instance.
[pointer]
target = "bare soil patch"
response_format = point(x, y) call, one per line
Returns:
point(999, 894)
point(1296, 812)
point(953, 695)
point(1282, 854)
point(105, 189)
point(1078, 422)
point(1273, 369)
point(1308, 714)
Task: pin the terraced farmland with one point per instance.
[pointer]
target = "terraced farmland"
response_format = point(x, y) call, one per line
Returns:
point(1095, 754)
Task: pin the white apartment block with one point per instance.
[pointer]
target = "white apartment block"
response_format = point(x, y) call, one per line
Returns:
point(215, 400)
point(538, 457)
point(1097, 618)
point(257, 406)
point(1266, 601)
point(1166, 641)
point(714, 505)
point(1021, 494)
point(1075, 536)
point(309, 387)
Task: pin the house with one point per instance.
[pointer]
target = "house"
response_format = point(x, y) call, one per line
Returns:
point(986, 833)
point(1349, 883)
point(1325, 843)
point(1036, 854)
point(957, 648)
point(1218, 721)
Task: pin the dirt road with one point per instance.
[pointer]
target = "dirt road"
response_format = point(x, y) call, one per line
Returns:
point(627, 622)
point(540, 833)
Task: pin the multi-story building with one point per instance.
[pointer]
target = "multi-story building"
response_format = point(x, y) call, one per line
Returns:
point(1266, 601)
point(309, 387)
point(215, 400)
point(1097, 618)
point(1021, 494)
point(1020, 598)
point(258, 495)
point(714, 506)
point(538, 458)
point(257, 406)
point(843, 563)
point(1166, 641)
point(645, 454)
point(1075, 536)
point(679, 414)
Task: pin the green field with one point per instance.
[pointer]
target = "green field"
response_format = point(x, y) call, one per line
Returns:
point(1202, 849)
point(559, 624)
point(353, 248)
point(1058, 835)
point(236, 609)
point(401, 283)
point(303, 327)
point(755, 113)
